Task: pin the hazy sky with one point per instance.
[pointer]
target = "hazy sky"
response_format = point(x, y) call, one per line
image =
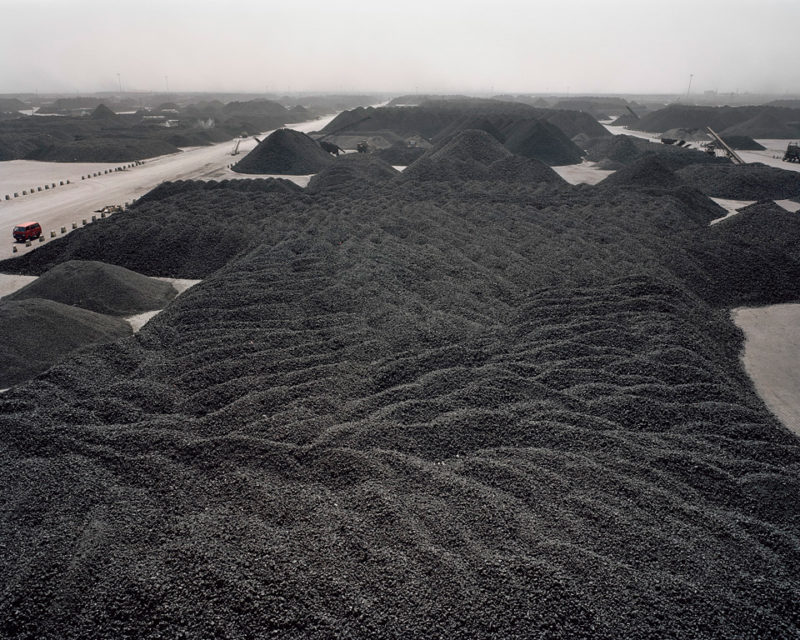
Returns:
point(559, 46)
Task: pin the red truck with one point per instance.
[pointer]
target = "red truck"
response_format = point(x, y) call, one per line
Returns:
point(27, 231)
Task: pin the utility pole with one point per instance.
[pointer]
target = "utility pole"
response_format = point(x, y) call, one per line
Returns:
point(689, 90)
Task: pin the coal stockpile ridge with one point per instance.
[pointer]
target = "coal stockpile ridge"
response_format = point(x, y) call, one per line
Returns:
point(481, 123)
point(349, 168)
point(36, 333)
point(103, 149)
point(102, 112)
point(543, 141)
point(399, 154)
point(624, 149)
point(573, 123)
point(752, 258)
point(429, 410)
point(621, 149)
point(754, 181)
point(743, 143)
point(471, 145)
point(285, 152)
point(647, 171)
point(260, 185)
point(429, 119)
point(754, 121)
point(528, 170)
point(99, 287)
point(765, 124)
point(188, 234)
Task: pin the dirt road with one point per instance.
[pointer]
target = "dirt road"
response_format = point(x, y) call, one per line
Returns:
point(60, 207)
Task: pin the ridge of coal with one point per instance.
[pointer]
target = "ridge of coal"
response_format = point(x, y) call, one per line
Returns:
point(99, 287)
point(754, 181)
point(542, 141)
point(285, 152)
point(36, 333)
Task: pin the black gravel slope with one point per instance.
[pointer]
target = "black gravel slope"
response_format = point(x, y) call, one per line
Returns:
point(36, 333)
point(99, 287)
point(461, 409)
point(754, 181)
point(285, 152)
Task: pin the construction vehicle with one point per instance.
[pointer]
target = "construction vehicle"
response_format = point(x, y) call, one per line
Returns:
point(792, 152)
point(719, 143)
point(362, 147)
point(109, 209)
point(235, 151)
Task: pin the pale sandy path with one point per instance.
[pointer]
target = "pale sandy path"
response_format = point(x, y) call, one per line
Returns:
point(772, 357)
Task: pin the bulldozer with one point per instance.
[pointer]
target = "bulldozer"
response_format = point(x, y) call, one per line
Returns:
point(792, 152)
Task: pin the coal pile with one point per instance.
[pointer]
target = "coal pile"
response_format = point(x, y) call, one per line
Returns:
point(618, 149)
point(177, 231)
point(285, 152)
point(754, 181)
point(470, 145)
point(766, 124)
point(761, 121)
point(354, 167)
point(480, 123)
point(752, 258)
point(99, 287)
point(467, 155)
point(421, 409)
point(37, 333)
point(743, 143)
point(648, 171)
point(542, 141)
point(526, 170)
point(102, 112)
point(573, 123)
point(399, 154)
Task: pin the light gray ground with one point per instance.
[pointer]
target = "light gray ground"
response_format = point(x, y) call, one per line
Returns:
point(583, 173)
point(771, 357)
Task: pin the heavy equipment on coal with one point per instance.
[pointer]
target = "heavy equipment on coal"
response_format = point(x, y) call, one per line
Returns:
point(792, 152)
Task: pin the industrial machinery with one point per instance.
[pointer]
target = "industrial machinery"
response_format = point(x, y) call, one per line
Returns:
point(719, 143)
point(632, 112)
point(792, 152)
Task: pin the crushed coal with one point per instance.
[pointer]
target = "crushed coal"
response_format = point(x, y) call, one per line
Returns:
point(458, 409)
point(399, 154)
point(542, 141)
point(471, 145)
point(36, 333)
point(648, 171)
point(351, 167)
point(98, 287)
point(102, 112)
point(285, 152)
point(743, 143)
point(754, 181)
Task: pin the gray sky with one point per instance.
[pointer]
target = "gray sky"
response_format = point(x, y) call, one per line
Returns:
point(558, 46)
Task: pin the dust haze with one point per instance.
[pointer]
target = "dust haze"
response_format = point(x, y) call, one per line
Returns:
point(573, 46)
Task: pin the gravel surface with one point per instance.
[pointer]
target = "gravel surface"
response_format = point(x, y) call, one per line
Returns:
point(434, 409)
